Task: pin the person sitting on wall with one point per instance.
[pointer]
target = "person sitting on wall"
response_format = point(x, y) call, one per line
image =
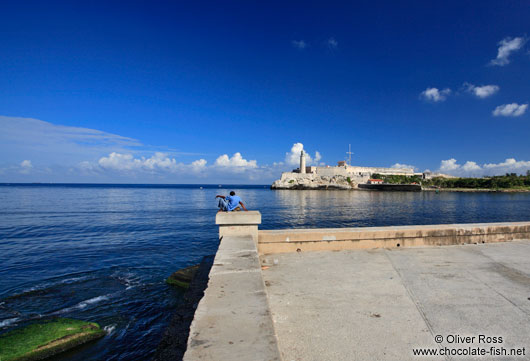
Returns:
point(229, 203)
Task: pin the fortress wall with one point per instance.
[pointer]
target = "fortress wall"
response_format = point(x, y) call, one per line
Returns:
point(334, 177)
point(363, 172)
point(332, 171)
point(402, 171)
point(292, 175)
point(348, 171)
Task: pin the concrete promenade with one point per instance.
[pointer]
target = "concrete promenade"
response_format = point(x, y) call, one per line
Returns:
point(381, 304)
point(377, 301)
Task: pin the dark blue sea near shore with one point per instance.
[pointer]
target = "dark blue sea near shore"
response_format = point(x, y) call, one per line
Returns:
point(102, 252)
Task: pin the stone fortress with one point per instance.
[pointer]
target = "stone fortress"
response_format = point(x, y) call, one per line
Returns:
point(342, 176)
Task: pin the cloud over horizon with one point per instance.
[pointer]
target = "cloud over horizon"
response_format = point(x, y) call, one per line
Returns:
point(292, 158)
point(472, 169)
point(57, 153)
point(236, 163)
point(41, 141)
point(163, 163)
point(100, 156)
point(401, 166)
point(126, 162)
point(25, 166)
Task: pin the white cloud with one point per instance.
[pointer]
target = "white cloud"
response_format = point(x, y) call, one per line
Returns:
point(470, 168)
point(449, 165)
point(510, 110)
point(401, 166)
point(13, 127)
point(435, 95)
point(161, 166)
point(483, 91)
point(292, 158)
point(198, 165)
point(51, 144)
point(507, 46)
point(88, 168)
point(25, 166)
point(235, 163)
point(318, 157)
point(510, 165)
point(299, 44)
point(73, 154)
point(332, 43)
point(126, 162)
point(161, 163)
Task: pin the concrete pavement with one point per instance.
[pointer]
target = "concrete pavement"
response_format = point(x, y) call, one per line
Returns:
point(381, 304)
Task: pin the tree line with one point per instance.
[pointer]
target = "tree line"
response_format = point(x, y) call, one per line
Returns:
point(398, 179)
point(509, 180)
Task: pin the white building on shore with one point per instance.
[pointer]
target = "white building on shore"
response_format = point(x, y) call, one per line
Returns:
point(345, 169)
point(342, 176)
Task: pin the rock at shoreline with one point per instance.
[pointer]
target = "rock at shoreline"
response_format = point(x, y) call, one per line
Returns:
point(183, 277)
point(42, 340)
point(174, 341)
point(313, 181)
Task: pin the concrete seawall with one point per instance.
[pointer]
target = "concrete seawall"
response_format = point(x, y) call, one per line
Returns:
point(336, 239)
point(327, 305)
point(233, 320)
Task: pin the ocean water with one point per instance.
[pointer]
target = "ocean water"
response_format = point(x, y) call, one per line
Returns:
point(102, 252)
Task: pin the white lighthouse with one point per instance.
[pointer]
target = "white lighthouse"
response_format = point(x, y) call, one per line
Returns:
point(302, 162)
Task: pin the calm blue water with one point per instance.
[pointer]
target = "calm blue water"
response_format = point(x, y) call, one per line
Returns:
point(102, 253)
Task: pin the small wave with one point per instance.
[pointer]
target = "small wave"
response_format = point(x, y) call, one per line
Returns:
point(48, 286)
point(8, 322)
point(109, 329)
point(76, 279)
point(129, 280)
point(93, 300)
point(83, 304)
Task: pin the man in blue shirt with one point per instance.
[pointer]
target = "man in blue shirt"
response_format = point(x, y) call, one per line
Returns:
point(230, 203)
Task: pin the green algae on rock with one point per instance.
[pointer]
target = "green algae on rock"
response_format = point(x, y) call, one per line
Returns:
point(182, 278)
point(41, 340)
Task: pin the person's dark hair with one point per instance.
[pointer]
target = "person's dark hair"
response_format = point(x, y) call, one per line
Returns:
point(232, 193)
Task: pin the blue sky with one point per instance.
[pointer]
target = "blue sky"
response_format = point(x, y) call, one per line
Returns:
point(209, 92)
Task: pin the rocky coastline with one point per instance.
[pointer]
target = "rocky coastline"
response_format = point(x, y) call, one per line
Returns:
point(311, 181)
point(175, 339)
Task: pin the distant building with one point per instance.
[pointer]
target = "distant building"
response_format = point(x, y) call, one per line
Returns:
point(302, 162)
point(346, 170)
point(344, 175)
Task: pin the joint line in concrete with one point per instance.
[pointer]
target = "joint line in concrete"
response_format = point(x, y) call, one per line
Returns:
point(493, 289)
point(414, 300)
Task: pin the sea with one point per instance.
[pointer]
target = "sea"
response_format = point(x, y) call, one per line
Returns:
point(102, 253)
